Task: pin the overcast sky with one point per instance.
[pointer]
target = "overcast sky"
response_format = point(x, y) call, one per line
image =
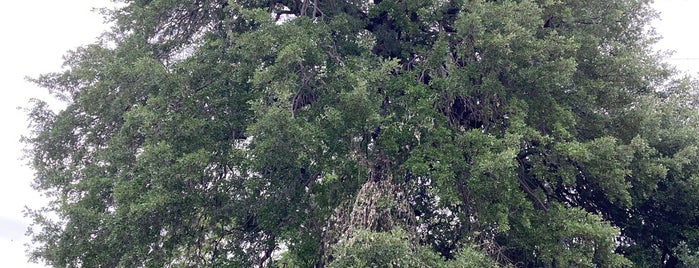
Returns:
point(37, 33)
point(678, 24)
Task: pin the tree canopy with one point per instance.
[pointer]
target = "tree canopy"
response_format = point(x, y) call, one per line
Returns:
point(356, 133)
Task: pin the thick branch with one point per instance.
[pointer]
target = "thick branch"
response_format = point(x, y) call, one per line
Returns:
point(523, 182)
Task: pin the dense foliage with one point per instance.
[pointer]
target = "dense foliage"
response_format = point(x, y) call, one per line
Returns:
point(355, 133)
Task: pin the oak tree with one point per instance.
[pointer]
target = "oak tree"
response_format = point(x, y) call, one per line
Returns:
point(353, 133)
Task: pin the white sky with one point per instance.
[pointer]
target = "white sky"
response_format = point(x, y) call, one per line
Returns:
point(678, 24)
point(37, 33)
